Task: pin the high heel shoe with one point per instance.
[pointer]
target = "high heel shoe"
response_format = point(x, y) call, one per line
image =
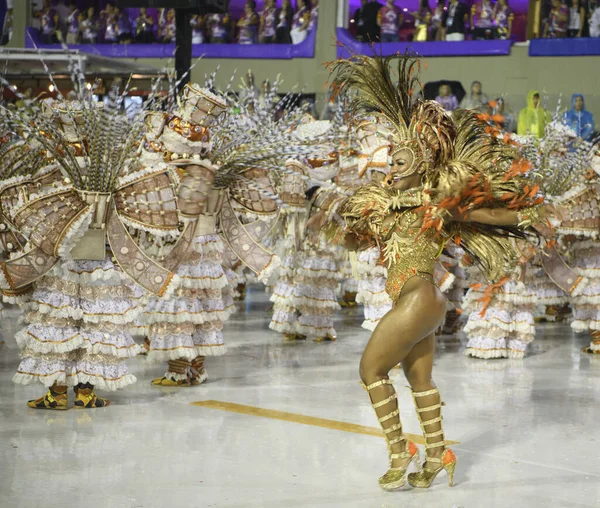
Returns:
point(395, 477)
point(424, 478)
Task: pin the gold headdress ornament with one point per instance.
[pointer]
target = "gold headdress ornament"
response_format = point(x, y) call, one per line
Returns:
point(422, 130)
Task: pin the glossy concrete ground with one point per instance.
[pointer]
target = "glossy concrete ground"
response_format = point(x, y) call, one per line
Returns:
point(529, 431)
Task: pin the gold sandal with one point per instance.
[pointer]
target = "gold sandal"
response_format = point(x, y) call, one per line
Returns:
point(424, 478)
point(395, 477)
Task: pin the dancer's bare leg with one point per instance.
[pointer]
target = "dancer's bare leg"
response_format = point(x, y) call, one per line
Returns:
point(416, 316)
point(417, 366)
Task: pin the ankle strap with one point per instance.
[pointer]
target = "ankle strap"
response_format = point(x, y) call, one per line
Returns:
point(383, 402)
point(425, 394)
point(393, 428)
point(376, 384)
point(432, 421)
point(389, 416)
point(434, 445)
point(396, 440)
point(429, 408)
point(402, 455)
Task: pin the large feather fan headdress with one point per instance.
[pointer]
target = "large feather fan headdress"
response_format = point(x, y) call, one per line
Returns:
point(465, 165)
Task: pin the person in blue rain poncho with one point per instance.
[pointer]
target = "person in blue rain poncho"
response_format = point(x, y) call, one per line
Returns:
point(579, 119)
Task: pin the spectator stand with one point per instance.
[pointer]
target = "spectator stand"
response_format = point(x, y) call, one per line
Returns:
point(349, 45)
point(305, 49)
point(585, 46)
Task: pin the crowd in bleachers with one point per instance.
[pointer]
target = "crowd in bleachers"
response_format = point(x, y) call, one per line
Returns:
point(451, 21)
point(573, 18)
point(458, 20)
point(530, 120)
point(102, 22)
point(290, 21)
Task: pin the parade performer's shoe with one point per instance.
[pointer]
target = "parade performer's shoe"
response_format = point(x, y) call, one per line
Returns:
point(293, 336)
point(180, 370)
point(326, 338)
point(145, 347)
point(85, 398)
point(54, 399)
point(395, 477)
point(594, 347)
point(452, 323)
point(198, 374)
point(434, 464)
point(169, 381)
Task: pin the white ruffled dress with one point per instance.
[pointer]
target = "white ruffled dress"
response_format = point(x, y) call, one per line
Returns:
point(506, 328)
point(78, 327)
point(586, 304)
point(190, 323)
point(371, 294)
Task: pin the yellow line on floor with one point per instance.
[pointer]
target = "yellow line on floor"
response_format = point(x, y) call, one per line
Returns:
point(303, 419)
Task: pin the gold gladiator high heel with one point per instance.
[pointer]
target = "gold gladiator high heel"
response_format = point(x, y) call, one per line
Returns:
point(395, 477)
point(424, 478)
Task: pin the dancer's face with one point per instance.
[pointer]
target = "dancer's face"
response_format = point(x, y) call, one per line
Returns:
point(403, 169)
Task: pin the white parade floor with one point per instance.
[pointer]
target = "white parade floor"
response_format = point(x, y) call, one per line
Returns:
point(528, 431)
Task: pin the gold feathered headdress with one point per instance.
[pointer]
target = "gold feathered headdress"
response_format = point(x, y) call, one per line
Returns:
point(464, 165)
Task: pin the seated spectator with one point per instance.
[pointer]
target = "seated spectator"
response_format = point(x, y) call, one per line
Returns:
point(389, 20)
point(90, 27)
point(218, 28)
point(197, 23)
point(314, 15)
point(481, 20)
point(73, 32)
point(454, 20)
point(284, 23)
point(476, 98)
point(422, 21)
point(594, 22)
point(268, 23)
point(580, 119)
point(533, 118)
point(503, 116)
point(446, 98)
point(124, 31)
point(144, 27)
point(300, 23)
point(437, 27)
point(503, 17)
point(558, 20)
point(576, 19)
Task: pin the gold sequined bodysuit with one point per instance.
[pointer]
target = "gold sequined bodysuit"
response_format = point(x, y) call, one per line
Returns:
point(409, 253)
point(390, 216)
